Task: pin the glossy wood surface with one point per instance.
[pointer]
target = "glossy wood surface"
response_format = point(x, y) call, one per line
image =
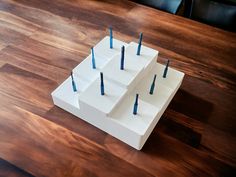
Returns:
point(41, 41)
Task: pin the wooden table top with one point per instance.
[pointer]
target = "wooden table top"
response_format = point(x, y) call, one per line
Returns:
point(42, 41)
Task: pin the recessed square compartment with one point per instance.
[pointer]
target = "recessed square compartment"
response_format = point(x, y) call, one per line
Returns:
point(173, 78)
point(133, 129)
point(64, 95)
point(160, 96)
point(104, 103)
point(137, 123)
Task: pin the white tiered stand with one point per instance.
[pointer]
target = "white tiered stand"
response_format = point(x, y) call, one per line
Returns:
point(113, 112)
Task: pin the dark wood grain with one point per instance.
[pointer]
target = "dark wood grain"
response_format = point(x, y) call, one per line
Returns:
point(41, 41)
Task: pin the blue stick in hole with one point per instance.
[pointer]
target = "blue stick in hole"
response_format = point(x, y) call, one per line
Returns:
point(153, 85)
point(122, 60)
point(73, 82)
point(140, 43)
point(135, 110)
point(93, 59)
point(111, 38)
point(102, 84)
point(166, 69)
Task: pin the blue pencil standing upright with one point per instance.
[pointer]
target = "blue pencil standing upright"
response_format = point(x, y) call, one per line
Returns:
point(73, 83)
point(111, 38)
point(140, 43)
point(122, 60)
point(93, 59)
point(153, 85)
point(102, 84)
point(166, 69)
point(135, 110)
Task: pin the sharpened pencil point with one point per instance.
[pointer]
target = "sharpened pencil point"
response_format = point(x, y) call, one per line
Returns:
point(153, 85)
point(111, 38)
point(122, 60)
point(135, 110)
point(102, 84)
point(140, 43)
point(93, 59)
point(73, 82)
point(166, 69)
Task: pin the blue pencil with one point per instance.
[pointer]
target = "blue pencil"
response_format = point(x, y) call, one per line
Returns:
point(153, 85)
point(122, 60)
point(102, 84)
point(166, 69)
point(111, 38)
point(140, 43)
point(73, 83)
point(93, 59)
point(135, 110)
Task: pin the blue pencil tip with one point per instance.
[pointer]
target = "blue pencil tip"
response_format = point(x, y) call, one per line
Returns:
point(166, 69)
point(102, 84)
point(71, 74)
point(153, 85)
point(73, 82)
point(111, 38)
point(93, 58)
point(140, 43)
point(122, 60)
point(135, 109)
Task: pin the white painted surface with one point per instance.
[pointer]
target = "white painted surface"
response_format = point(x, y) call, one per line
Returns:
point(113, 112)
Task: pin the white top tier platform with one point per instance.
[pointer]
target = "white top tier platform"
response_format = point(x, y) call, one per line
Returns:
point(135, 67)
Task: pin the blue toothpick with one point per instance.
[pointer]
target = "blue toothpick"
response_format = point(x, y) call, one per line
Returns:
point(73, 82)
point(135, 110)
point(153, 85)
point(102, 84)
point(140, 43)
point(111, 38)
point(93, 59)
point(166, 69)
point(122, 60)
